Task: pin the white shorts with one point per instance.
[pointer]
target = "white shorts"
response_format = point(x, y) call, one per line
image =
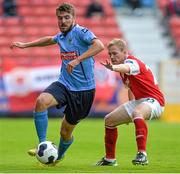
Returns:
point(157, 109)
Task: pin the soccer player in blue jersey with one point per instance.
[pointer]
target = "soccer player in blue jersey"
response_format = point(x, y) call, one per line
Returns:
point(75, 87)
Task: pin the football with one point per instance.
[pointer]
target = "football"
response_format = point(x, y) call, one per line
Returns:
point(47, 152)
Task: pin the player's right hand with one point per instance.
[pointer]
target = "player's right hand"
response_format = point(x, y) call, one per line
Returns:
point(18, 45)
point(108, 65)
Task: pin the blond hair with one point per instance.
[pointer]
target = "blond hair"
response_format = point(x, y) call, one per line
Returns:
point(121, 44)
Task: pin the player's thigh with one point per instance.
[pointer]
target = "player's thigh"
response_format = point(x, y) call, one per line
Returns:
point(59, 94)
point(156, 108)
point(78, 105)
point(117, 117)
point(142, 110)
point(148, 108)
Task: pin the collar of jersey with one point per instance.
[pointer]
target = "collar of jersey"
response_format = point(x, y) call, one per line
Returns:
point(62, 35)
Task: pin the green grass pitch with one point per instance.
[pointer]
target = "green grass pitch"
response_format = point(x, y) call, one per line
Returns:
point(18, 135)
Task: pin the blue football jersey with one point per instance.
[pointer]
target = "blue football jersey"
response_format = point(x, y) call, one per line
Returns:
point(73, 44)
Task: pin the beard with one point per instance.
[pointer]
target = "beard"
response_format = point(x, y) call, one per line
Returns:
point(68, 29)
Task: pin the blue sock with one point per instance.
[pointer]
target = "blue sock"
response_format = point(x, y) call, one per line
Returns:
point(41, 123)
point(63, 146)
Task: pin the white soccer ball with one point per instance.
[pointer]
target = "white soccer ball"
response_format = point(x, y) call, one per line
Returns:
point(47, 152)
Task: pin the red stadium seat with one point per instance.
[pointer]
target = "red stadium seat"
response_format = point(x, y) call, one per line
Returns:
point(2, 31)
point(23, 2)
point(110, 33)
point(14, 31)
point(110, 22)
point(1, 11)
point(174, 22)
point(12, 21)
point(30, 21)
point(5, 52)
point(178, 43)
point(175, 32)
point(45, 21)
point(1, 22)
point(162, 5)
point(52, 2)
point(80, 12)
point(4, 42)
point(25, 11)
point(80, 20)
point(32, 31)
point(40, 11)
point(174, 25)
point(102, 56)
point(109, 11)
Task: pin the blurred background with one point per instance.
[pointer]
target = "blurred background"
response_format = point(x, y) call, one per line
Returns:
point(150, 27)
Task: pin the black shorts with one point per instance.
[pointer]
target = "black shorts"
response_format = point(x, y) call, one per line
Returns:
point(77, 103)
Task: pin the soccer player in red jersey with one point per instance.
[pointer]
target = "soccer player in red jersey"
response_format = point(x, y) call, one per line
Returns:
point(146, 101)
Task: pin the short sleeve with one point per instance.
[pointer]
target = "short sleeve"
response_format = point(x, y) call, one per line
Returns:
point(86, 35)
point(133, 65)
point(55, 38)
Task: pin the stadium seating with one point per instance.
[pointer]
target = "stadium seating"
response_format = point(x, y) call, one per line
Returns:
point(162, 4)
point(36, 18)
point(173, 24)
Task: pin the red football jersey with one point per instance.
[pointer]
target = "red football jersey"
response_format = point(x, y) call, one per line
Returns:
point(141, 80)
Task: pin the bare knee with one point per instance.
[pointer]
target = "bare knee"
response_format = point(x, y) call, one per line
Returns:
point(136, 113)
point(41, 103)
point(108, 121)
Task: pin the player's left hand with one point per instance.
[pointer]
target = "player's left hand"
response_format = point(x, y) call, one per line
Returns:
point(72, 64)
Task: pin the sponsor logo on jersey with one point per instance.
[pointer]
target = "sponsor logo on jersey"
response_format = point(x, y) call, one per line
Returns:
point(69, 55)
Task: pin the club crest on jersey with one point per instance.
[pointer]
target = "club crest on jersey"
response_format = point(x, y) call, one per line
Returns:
point(69, 40)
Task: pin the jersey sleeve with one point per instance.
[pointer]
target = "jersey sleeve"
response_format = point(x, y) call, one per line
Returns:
point(133, 65)
point(86, 35)
point(55, 38)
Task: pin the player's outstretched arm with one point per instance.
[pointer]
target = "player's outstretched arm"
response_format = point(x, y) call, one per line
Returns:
point(44, 41)
point(122, 68)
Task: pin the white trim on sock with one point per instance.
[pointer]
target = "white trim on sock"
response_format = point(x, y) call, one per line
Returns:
point(138, 118)
point(144, 152)
point(110, 127)
point(110, 160)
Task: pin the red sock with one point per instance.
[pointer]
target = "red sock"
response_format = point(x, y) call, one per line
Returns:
point(141, 134)
point(110, 142)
